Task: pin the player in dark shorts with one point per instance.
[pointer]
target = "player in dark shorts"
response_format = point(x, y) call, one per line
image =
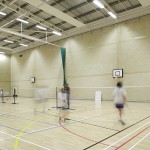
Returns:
point(119, 95)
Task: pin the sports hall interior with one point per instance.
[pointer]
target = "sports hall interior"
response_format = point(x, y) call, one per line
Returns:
point(94, 50)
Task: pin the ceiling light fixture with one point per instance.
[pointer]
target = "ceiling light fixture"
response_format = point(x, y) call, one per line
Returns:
point(40, 27)
point(8, 41)
point(57, 33)
point(23, 44)
point(23, 21)
point(2, 13)
point(26, 36)
point(2, 52)
point(111, 14)
point(99, 4)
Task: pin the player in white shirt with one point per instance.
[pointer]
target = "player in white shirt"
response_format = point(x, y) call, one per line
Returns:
point(120, 96)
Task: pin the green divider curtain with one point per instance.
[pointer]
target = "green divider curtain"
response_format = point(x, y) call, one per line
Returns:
point(63, 56)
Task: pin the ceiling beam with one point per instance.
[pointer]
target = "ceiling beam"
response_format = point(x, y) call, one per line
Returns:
point(9, 3)
point(26, 30)
point(5, 48)
point(19, 34)
point(70, 9)
point(27, 36)
point(55, 12)
point(29, 15)
point(6, 35)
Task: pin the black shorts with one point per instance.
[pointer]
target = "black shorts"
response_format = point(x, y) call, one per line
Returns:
point(119, 105)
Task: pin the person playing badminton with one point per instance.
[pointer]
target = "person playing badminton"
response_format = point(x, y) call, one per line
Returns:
point(120, 97)
point(67, 91)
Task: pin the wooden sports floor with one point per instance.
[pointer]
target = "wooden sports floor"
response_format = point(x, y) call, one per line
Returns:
point(35, 125)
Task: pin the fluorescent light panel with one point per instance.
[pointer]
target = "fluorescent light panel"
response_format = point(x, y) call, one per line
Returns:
point(111, 14)
point(23, 21)
point(2, 52)
point(21, 44)
point(98, 3)
point(2, 13)
point(40, 27)
point(57, 33)
point(8, 41)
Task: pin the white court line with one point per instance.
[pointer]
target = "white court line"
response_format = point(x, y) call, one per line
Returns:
point(77, 121)
point(5, 139)
point(19, 110)
point(5, 113)
point(26, 141)
point(126, 136)
point(139, 141)
point(105, 87)
point(135, 110)
point(27, 118)
point(36, 131)
point(56, 126)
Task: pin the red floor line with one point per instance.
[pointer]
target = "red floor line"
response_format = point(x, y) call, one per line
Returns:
point(81, 135)
point(131, 139)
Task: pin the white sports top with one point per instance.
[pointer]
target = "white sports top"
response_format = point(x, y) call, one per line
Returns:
point(119, 94)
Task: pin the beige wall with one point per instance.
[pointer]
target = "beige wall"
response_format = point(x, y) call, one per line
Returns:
point(91, 57)
point(5, 68)
point(43, 63)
